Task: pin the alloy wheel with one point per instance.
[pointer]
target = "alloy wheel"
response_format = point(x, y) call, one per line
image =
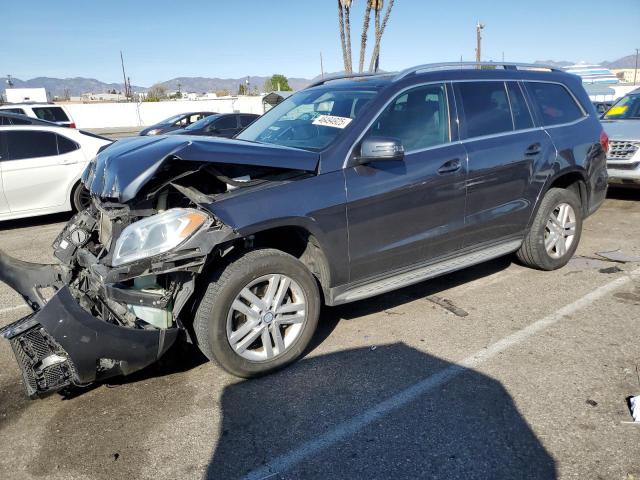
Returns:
point(560, 230)
point(266, 317)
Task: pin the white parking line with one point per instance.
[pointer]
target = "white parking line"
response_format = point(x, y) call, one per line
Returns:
point(12, 309)
point(357, 423)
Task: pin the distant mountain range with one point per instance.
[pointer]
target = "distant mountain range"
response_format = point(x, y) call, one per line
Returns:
point(624, 62)
point(78, 85)
point(205, 84)
point(59, 87)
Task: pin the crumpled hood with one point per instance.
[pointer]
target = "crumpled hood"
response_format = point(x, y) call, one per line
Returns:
point(121, 170)
point(622, 129)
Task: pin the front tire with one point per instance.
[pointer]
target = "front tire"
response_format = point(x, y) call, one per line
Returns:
point(555, 232)
point(258, 314)
point(80, 197)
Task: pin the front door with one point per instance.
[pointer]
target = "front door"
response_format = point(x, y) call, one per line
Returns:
point(4, 206)
point(39, 169)
point(402, 213)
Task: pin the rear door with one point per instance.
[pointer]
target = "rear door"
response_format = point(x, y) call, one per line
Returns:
point(39, 168)
point(505, 149)
point(401, 213)
point(4, 206)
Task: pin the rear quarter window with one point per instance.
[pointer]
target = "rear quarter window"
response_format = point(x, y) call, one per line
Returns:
point(66, 145)
point(51, 114)
point(554, 104)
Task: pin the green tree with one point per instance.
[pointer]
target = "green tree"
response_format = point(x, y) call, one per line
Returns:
point(155, 94)
point(242, 89)
point(278, 82)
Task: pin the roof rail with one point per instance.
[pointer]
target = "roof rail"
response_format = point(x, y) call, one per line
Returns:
point(462, 65)
point(343, 76)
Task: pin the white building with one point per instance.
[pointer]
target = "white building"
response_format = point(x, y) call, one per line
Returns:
point(21, 95)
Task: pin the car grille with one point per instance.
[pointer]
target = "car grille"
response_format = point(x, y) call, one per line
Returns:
point(30, 349)
point(622, 149)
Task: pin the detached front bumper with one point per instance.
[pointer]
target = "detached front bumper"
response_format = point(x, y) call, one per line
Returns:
point(61, 344)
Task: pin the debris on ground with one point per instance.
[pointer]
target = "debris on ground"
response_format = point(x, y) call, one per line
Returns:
point(613, 269)
point(634, 407)
point(593, 403)
point(618, 256)
point(447, 305)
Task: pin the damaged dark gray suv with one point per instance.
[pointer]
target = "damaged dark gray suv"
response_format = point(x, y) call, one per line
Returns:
point(348, 189)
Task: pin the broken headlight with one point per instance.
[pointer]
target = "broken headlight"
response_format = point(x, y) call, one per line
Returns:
point(157, 234)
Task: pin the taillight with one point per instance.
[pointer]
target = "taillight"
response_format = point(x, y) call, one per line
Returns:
point(604, 141)
point(73, 125)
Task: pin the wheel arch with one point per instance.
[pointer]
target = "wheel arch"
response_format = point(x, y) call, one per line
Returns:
point(573, 178)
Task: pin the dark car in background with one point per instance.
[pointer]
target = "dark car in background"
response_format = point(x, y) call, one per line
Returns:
point(219, 125)
point(348, 189)
point(602, 106)
point(175, 122)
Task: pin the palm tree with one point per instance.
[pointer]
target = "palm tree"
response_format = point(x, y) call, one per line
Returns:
point(365, 29)
point(379, 28)
point(344, 12)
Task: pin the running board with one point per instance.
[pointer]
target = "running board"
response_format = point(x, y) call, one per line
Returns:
point(420, 274)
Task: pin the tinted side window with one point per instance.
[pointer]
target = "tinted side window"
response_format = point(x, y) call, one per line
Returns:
point(51, 114)
point(66, 145)
point(521, 114)
point(226, 123)
point(554, 103)
point(18, 121)
point(419, 118)
point(486, 108)
point(246, 120)
point(14, 110)
point(31, 144)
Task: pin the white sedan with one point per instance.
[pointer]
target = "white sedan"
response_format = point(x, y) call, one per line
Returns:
point(40, 169)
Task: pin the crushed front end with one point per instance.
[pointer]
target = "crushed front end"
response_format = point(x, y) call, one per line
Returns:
point(102, 320)
point(123, 289)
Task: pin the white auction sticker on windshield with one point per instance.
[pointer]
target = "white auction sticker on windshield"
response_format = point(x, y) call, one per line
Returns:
point(332, 121)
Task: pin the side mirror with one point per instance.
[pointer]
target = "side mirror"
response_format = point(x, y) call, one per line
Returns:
point(379, 149)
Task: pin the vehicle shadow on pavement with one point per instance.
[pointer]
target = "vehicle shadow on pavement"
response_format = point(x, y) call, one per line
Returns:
point(624, 193)
point(39, 221)
point(466, 428)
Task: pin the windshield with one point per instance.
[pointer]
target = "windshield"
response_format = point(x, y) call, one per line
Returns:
point(626, 108)
point(173, 119)
point(203, 122)
point(310, 120)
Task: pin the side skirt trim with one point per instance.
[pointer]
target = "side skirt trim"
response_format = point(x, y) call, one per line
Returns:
point(422, 273)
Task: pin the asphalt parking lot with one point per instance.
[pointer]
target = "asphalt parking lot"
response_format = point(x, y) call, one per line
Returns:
point(496, 371)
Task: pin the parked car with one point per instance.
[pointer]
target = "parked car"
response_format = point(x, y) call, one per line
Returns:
point(602, 107)
point(43, 111)
point(622, 124)
point(175, 122)
point(7, 118)
point(40, 167)
point(348, 189)
point(218, 125)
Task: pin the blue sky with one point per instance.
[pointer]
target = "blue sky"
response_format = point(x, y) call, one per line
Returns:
point(165, 39)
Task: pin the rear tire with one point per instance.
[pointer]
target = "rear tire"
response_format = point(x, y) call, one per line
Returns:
point(80, 197)
point(258, 314)
point(555, 232)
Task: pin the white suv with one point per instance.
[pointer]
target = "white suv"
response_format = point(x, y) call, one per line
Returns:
point(40, 169)
point(622, 124)
point(44, 111)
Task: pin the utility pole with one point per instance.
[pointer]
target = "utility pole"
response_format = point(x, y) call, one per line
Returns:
point(479, 27)
point(124, 76)
point(635, 72)
point(321, 67)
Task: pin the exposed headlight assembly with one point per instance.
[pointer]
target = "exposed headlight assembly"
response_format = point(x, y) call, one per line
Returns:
point(157, 234)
